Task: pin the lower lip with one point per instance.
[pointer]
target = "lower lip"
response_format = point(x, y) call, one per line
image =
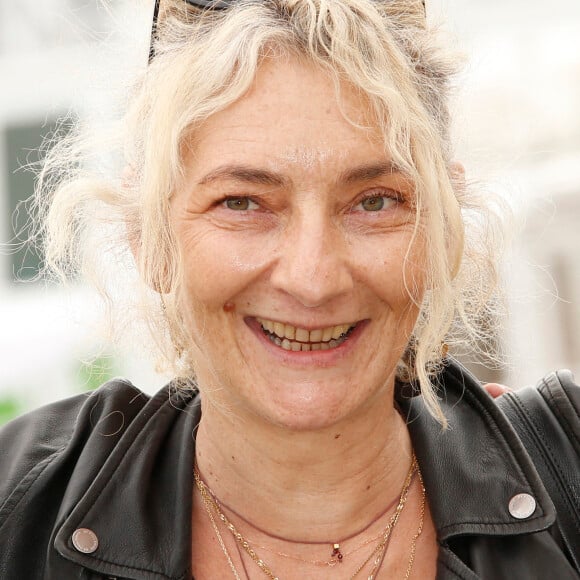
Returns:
point(322, 358)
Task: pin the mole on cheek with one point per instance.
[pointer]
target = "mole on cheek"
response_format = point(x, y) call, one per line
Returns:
point(229, 307)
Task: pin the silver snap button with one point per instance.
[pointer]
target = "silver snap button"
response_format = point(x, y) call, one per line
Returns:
point(85, 540)
point(522, 506)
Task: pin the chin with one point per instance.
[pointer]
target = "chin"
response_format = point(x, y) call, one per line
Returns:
point(310, 408)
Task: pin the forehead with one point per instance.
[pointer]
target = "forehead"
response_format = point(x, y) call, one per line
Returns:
point(294, 112)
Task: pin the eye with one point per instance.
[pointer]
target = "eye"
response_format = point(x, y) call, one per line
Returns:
point(375, 203)
point(240, 204)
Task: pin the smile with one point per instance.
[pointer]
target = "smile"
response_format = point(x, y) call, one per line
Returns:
point(297, 339)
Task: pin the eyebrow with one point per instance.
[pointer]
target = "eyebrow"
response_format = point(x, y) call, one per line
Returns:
point(244, 173)
point(369, 172)
point(248, 174)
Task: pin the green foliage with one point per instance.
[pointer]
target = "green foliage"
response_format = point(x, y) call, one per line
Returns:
point(89, 376)
point(96, 372)
point(10, 407)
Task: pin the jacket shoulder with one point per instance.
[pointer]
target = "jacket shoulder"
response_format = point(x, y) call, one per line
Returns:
point(30, 443)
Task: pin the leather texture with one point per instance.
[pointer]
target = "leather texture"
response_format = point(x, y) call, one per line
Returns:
point(547, 420)
point(119, 463)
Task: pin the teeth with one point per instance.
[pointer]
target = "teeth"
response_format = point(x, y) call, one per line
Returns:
point(302, 335)
point(299, 339)
point(340, 330)
point(315, 336)
point(327, 334)
point(278, 329)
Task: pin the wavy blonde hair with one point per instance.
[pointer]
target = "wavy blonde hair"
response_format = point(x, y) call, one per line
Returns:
point(205, 61)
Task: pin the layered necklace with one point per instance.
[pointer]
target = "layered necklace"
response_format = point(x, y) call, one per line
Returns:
point(215, 512)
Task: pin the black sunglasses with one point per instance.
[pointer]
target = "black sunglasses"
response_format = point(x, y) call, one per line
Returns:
point(205, 5)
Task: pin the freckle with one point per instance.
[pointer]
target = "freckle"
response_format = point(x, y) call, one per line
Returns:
point(337, 436)
point(233, 458)
point(229, 307)
point(368, 487)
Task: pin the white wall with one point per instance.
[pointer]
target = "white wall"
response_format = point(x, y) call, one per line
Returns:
point(519, 129)
point(59, 57)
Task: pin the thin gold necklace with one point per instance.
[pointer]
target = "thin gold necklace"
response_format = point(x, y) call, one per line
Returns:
point(324, 563)
point(380, 558)
point(337, 556)
point(211, 504)
point(379, 552)
point(219, 537)
point(419, 529)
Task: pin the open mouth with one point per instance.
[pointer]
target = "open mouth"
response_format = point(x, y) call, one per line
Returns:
point(297, 339)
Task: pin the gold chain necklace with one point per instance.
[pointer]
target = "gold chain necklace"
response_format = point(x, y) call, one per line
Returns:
point(212, 504)
point(220, 539)
point(337, 556)
point(324, 563)
point(419, 529)
point(380, 558)
point(379, 552)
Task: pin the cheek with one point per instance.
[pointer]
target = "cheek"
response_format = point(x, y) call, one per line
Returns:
point(220, 270)
point(393, 268)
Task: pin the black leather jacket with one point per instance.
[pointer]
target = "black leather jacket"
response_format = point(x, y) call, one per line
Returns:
point(119, 464)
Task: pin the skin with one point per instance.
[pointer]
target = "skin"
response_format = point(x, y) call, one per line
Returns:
point(496, 390)
point(272, 223)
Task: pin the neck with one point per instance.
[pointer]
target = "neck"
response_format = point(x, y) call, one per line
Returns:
point(313, 486)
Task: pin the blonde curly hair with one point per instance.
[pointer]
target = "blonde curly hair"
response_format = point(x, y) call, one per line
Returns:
point(205, 61)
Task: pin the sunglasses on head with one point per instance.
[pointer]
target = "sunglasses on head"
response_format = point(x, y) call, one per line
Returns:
point(204, 5)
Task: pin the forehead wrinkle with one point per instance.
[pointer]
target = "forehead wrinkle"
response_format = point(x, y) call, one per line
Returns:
point(308, 157)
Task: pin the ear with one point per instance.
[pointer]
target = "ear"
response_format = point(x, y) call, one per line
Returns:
point(457, 174)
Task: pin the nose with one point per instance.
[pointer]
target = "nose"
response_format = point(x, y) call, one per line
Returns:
point(313, 262)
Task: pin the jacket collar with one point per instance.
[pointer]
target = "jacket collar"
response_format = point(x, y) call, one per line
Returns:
point(474, 468)
point(139, 505)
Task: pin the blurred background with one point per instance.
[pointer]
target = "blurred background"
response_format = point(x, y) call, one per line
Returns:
point(517, 129)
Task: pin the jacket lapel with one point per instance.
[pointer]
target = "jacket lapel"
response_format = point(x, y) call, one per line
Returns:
point(474, 468)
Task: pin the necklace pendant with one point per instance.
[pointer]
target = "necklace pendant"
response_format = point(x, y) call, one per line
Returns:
point(336, 553)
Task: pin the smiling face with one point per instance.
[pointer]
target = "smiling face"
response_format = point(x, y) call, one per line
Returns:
point(294, 228)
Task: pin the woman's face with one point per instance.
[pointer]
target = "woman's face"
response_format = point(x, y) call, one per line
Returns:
point(295, 228)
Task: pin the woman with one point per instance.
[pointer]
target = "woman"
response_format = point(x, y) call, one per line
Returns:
point(304, 245)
